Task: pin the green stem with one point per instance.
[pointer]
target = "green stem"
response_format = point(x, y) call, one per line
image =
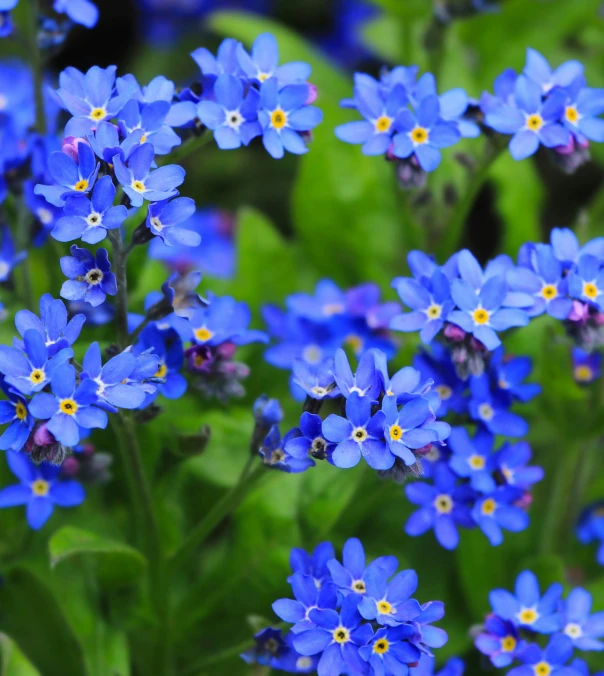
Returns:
point(119, 266)
point(187, 148)
point(453, 233)
point(138, 330)
point(230, 501)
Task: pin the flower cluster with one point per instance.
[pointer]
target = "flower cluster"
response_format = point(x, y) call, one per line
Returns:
point(350, 617)
point(53, 28)
point(390, 422)
point(510, 631)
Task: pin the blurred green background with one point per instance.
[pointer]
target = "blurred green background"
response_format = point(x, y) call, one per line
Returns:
point(336, 214)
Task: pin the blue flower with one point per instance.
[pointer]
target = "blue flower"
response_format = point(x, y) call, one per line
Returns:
point(586, 282)
point(508, 373)
point(567, 249)
point(292, 662)
point(311, 442)
point(263, 63)
point(233, 117)
point(351, 576)
point(105, 141)
point(492, 412)
point(530, 120)
point(390, 603)
point(424, 134)
point(314, 564)
point(358, 435)
point(9, 258)
point(90, 276)
point(150, 123)
point(512, 462)
point(318, 381)
point(437, 366)
point(52, 325)
point(111, 389)
point(586, 365)
point(275, 456)
point(582, 628)
point(497, 510)
point(73, 178)
point(539, 71)
point(389, 651)
point(527, 608)
point(285, 117)
point(41, 488)
point(582, 107)
point(327, 302)
point(31, 369)
point(308, 597)
point(442, 507)
point(15, 413)
point(82, 12)
point(473, 458)
point(164, 217)
point(454, 667)
point(169, 350)
point(69, 408)
point(337, 637)
point(269, 644)
point(545, 282)
point(6, 21)
point(267, 412)
point(224, 62)
point(550, 660)
point(366, 380)
point(430, 303)
point(90, 219)
point(499, 641)
point(140, 183)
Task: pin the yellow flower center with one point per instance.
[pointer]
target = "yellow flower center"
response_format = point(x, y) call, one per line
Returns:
point(20, 411)
point(380, 647)
point(419, 135)
point(68, 406)
point(384, 608)
point(444, 392)
point(359, 434)
point(549, 291)
point(434, 311)
point(542, 669)
point(443, 504)
point(590, 290)
point(395, 432)
point(263, 76)
point(81, 186)
point(508, 644)
point(161, 371)
point(534, 122)
point(354, 342)
point(40, 488)
point(486, 412)
point(139, 186)
point(573, 630)
point(37, 376)
point(527, 616)
point(583, 373)
point(98, 114)
point(278, 119)
point(341, 635)
point(488, 507)
point(359, 586)
point(476, 461)
point(571, 114)
point(480, 316)
point(203, 334)
point(383, 123)
point(144, 138)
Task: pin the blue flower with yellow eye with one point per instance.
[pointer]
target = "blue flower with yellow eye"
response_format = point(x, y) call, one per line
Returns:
point(90, 276)
point(72, 178)
point(430, 304)
point(15, 413)
point(233, 116)
point(531, 120)
point(82, 12)
point(539, 71)
point(492, 411)
point(268, 645)
point(389, 651)
point(315, 564)
point(9, 258)
point(40, 489)
point(499, 641)
point(149, 119)
point(140, 183)
point(497, 510)
point(424, 134)
point(587, 366)
point(31, 369)
point(473, 459)
point(169, 350)
point(163, 219)
point(438, 367)
point(526, 607)
point(567, 249)
point(360, 434)
point(512, 462)
point(90, 219)
point(365, 382)
point(308, 597)
point(275, 455)
point(582, 107)
point(390, 603)
point(263, 63)
point(286, 117)
point(69, 409)
point(311, 442)
point(550, 660)
point(586, 282)
point(443, 507)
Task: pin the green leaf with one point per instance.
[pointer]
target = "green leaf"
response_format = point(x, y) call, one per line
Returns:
point(31, 614)
point(118, 563)
point(14, 662)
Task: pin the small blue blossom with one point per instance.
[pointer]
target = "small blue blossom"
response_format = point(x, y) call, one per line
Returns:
point(90, 276)
point(69, 409)
point(539, 71)
point(365, 382)
point(169, 349)
point(275, 456)
point(72, 178)
point(351, 575)
point(315, 564)
point(15, 413)
point(308, 597)
point(269, 644)
point(311, 442)
point(389, 651)
point(490, 410)
point(41, 488)
point(473, 458)
point(583, 105)
point(550, 660)
point(583, 628)
point(164, 217)
point(586, 282)
point(106, 143)
point(438, 367)
point(267, 412)
point(508, 374)
point(587, 366)
point(263, 62)
point(317, 382)
point(499, 641)
point(82, 12)
point(389, 603)
point(150, 121)
point(512, 462)
point(497, 510)
point(567, 249)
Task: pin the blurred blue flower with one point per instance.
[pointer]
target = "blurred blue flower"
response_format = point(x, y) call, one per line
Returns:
point(550, 660)
point(473, 458)
point(497, 510)
point(164, 217)
point(426, 666)
point(512, 462)
point(583, 628)
point(9, 258)
point(275, 455)
point(489, 409)
point(315, 564)
point(82, 12)
point(587, 366)
point(499, 641)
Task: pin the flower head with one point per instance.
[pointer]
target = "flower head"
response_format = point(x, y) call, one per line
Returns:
point(90, 276)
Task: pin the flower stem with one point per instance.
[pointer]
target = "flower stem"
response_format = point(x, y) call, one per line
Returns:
point(119, 265)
